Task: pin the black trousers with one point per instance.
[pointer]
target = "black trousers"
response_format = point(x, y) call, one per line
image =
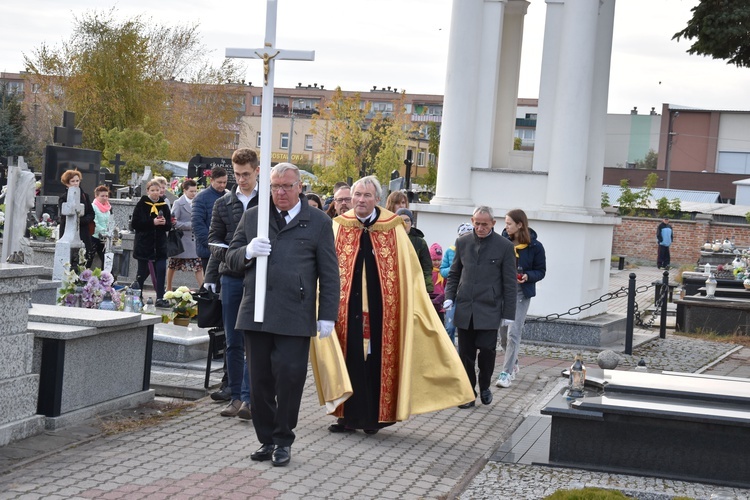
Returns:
point(485, 341)
point(663, 257)
point(278, 369)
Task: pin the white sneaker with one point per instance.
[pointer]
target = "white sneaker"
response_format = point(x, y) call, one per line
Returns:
point(503, 380)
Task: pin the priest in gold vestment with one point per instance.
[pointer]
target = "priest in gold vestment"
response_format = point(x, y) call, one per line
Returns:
point(398, 356)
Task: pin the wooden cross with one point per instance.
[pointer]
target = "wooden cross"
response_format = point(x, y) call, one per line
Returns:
point(269, 54)
point(68, 134)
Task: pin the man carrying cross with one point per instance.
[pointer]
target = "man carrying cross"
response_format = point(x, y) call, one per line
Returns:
point(302, 298)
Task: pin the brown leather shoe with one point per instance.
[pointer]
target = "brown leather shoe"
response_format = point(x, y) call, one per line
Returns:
point(232, 409)
point(244, 413)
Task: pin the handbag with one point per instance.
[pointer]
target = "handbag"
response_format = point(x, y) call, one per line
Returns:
point(174, 243)
point(209, 309)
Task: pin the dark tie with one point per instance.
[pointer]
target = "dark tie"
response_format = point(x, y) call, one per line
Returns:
point(283, 214)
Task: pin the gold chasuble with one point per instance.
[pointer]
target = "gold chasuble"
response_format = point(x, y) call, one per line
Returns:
point(420, 368)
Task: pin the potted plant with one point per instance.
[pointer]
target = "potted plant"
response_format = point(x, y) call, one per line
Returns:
point(40, 231)
point(183, 305)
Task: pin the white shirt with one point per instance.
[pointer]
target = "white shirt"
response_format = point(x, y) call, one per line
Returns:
point(244, 198)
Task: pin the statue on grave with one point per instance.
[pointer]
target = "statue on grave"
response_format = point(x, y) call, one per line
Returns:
point(19, 200)
point(73, 178)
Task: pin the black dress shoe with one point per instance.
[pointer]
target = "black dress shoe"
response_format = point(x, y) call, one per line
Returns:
point(486, 396)
point(263, 453)
point(470, 404)
point(222, 394)
point(281, 455)
point(371, 431)
point(339, 428)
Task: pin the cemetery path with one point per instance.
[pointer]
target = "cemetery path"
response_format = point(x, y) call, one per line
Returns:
point(446, 454)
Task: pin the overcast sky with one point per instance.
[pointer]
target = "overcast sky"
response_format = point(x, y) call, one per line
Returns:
point(404, 44)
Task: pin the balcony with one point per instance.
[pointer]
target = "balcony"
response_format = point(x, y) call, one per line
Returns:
point(427, 118)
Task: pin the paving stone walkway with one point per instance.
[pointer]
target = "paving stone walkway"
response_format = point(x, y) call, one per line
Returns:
point(199, 454)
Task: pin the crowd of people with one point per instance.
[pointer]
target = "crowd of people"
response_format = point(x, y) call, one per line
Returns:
point(352, 285)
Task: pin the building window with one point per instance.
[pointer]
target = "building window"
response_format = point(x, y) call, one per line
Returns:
point(284, 143)
point(256, 100)
point(308, 142)
point(257, 139)
point(420, 158)
point(382, 107)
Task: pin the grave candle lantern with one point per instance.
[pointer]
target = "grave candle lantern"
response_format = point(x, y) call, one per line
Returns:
point(577, 379)
point(711, 286)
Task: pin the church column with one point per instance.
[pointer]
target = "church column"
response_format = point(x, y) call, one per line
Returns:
point(547, 85)
point(572, 110)
point(507, 90)
point(483, 142)
point(457, 134)
point(599, 97)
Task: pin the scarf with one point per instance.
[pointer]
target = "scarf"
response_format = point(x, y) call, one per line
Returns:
point(101, 206)
point(516, 248)
point(154, 205)
point(439, 277)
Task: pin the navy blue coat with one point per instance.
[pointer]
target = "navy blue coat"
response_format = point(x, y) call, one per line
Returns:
point(203, 206)
point(533, 260)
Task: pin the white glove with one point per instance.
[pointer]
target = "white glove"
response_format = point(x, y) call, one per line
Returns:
point(325, 328)
point(210, 286)
point(507, 322)
point(258, 247)
point(447, 304)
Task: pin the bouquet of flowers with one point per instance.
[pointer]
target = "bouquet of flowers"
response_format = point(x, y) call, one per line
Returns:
point(87, 289)
point(183, 304)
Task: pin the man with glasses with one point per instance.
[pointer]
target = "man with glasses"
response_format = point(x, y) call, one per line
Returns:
point(226, 215)
point(342, 201)
point(302, 287)
point(399, 360)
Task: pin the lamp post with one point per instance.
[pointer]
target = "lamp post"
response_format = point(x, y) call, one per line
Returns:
point(670, 134)
point(291, 131)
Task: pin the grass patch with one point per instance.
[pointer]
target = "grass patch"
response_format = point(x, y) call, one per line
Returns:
point(142, 416)
point(738, 337)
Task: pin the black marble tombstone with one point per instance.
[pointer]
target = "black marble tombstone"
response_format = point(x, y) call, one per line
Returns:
point(198, 165)
point(58, 159)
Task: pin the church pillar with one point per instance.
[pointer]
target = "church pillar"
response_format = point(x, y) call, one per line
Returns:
point(572, 109)
point(547, 85)
point(492, 28)
point(507, 89)
point(460, 104)
point(599, 98)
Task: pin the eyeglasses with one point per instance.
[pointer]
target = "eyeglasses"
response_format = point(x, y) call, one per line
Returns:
point(342, 200)
point(275, 188)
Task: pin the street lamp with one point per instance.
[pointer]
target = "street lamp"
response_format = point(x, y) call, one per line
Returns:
point(291, 131)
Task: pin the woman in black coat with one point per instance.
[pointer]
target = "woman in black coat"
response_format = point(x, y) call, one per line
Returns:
point(73, 178)
point(152, 221)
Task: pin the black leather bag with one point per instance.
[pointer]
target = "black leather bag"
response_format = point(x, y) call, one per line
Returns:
point(174, 243)
point(209, 309)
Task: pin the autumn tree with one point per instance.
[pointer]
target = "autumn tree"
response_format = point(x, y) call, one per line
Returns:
point(359, 141)
point(138, 146)
point(134, 74)
point(720, 29)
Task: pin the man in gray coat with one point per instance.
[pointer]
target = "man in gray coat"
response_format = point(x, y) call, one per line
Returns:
point(302, 260)
point(482, 284)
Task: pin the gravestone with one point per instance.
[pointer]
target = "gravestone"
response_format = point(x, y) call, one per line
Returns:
point(147, 176)
point(19, 382)
point(58, 159)
point(117, 163)
point(198, 165)
point(72, 210)
point(19, 199)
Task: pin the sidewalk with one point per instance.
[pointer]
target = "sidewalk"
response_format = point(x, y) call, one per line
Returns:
point(445, 454)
